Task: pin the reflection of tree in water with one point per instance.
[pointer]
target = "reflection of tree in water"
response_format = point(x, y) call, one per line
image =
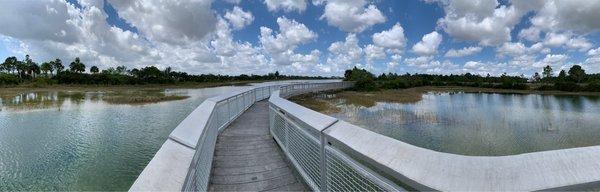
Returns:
point(44, 100)
point(57, 99)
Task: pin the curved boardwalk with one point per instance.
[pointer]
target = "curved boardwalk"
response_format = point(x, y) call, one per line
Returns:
point(248, 159)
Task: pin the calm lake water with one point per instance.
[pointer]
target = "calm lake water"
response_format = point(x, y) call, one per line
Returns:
point(484, 124)
point(77, 141)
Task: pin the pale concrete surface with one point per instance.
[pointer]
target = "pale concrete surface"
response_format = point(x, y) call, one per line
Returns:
point(566, 169)
point(161, 174)
point(188, 132)
point(248, 159)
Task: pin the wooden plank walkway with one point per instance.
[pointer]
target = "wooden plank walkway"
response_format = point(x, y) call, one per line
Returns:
point(248, 159)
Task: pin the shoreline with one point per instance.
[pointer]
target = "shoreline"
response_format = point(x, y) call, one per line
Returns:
point(5, 91)
point(499, 91)
point(409, 95)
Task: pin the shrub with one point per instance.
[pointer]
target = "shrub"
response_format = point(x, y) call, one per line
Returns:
point(512, 85)
point(364, 80)
point(395, 84)
point(366, 84)
point(545, 88)
point(8, 79)
point(567, 86)
point(593, 86)
point(42, 81)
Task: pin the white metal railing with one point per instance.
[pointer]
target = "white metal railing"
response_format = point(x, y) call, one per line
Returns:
point(184, 161)
point(333, 155)
point(227, 109)
point(299, 133)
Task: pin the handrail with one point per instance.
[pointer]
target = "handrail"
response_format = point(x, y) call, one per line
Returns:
point(301, 134)
point(183, 163)
point(357, 159)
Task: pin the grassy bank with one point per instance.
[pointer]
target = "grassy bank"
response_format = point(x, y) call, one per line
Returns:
point(117, 94)
point(142, 99)
point(317, 104)
point(327, 105)
point(27, 88)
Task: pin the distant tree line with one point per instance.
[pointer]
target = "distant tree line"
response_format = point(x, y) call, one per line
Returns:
point(575, 79)
point(14, 71)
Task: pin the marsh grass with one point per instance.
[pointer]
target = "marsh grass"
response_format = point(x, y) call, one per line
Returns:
point(310, 101)
point(141, 99)
point(29, 88)
point(329, 105)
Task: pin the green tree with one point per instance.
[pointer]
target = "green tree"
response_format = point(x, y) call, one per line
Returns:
point(547, 73)
point(21, 67)
point(33, 69)
point(47, 66)
point(562, 76)
point(10, 64)
point(77, 66)
point(58, 66)
point(536, 77)
point(121, 69)
point(576, 73)
point(363, 79)
point(94, 69)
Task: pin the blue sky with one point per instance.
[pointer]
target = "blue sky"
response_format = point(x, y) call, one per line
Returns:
point(323, 37)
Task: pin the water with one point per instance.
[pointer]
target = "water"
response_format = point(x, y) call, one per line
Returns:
point(484, 124)
point(77, 141)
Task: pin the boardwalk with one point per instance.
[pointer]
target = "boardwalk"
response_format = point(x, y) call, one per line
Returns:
point(248, 159)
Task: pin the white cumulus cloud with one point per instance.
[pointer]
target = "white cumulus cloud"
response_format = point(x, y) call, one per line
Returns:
point(428, 44)
point(352, 15)
point(391, 39)
point(281, 46)
point(483, 21)
point(286, 5)
point(188, 20)
point(238, 17)
point(345, 54)
point(463, 52)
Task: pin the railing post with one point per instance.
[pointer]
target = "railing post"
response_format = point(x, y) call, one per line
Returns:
point(228, 110)
point(323, 163)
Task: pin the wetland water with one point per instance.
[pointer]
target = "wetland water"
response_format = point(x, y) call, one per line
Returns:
point(483, 124)
point(77, 141)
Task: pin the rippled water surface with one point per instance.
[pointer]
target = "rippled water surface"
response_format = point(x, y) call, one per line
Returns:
point(484, 124)
point(77, 141)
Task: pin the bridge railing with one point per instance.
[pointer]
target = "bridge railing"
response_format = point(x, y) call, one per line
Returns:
point(184, 161)
point(300, 133)
point(333, 155)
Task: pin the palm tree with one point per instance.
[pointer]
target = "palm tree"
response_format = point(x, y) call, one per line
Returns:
point(58, 66)
point(94, 69)
point(33, 69)
point(10, 64)
point(46, 66)
point(76, 66)
point(21, 68)
point(121, 69)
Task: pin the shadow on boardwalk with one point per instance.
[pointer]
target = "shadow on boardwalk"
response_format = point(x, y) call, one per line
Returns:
point(248, 159)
